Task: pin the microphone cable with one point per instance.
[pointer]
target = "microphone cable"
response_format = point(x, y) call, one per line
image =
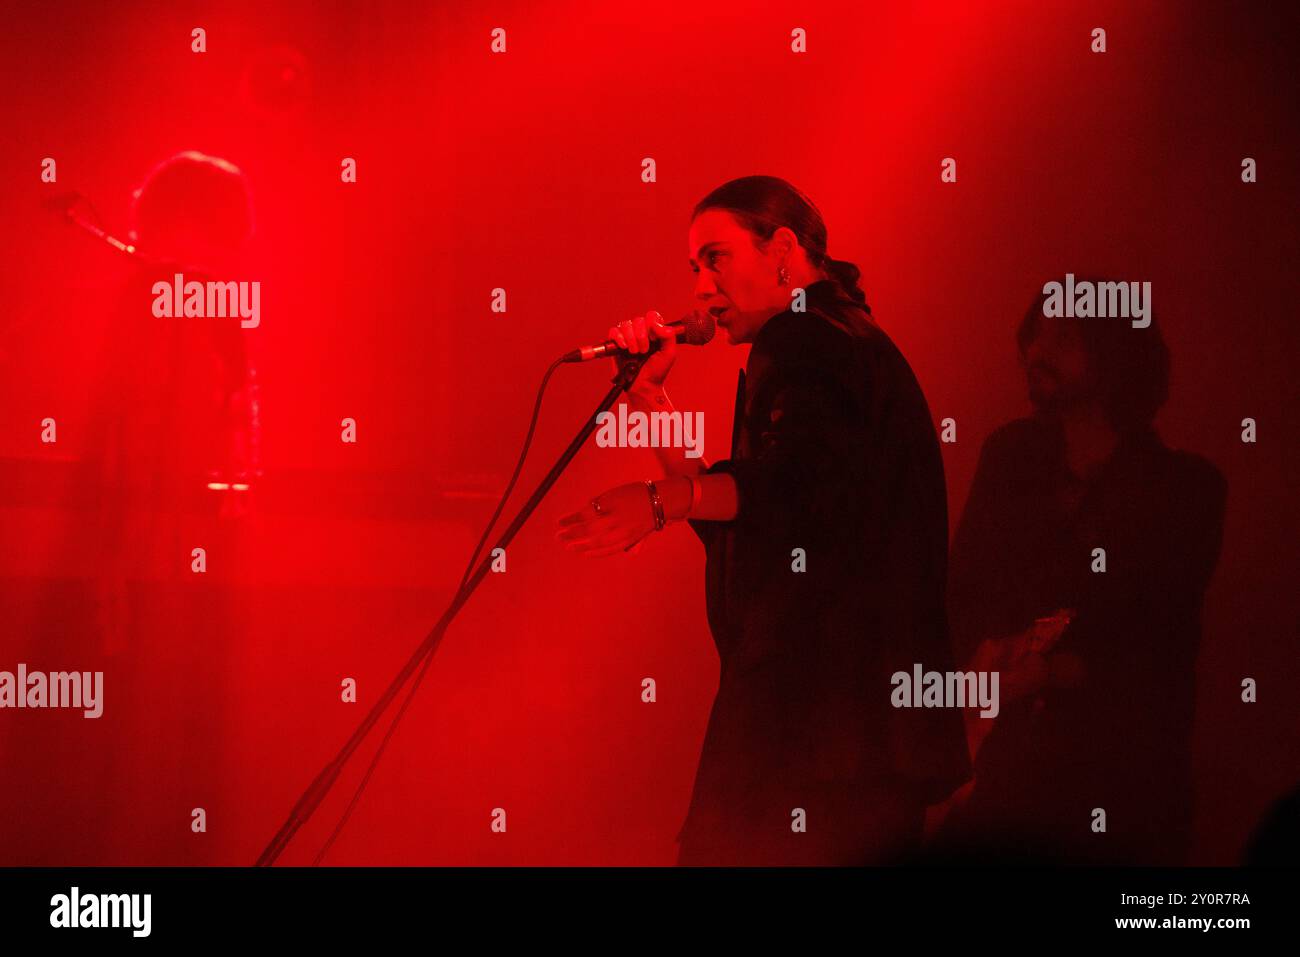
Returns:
point(424, 668)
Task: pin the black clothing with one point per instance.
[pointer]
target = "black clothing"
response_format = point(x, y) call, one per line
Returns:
point(172, 406)
point(1120, 741)
point(835, 453)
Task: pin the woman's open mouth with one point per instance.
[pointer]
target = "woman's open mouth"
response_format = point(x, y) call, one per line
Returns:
point(718, 312)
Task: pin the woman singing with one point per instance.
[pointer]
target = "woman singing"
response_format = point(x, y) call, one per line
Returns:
point(826, 537)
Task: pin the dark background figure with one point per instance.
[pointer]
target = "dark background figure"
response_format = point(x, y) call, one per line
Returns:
point(1103, 719)
point(172, 417)
point(175, 411)
point(178, 418)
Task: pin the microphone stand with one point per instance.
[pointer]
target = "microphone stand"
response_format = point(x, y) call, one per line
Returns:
point(73, 217)
point(316, 792)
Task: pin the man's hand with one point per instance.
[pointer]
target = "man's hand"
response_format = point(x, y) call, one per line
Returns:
point(1027, 676)
point(1019, 659)
point(1067, 670)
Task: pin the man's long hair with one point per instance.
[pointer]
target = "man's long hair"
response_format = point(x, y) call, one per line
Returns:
point(204, 193)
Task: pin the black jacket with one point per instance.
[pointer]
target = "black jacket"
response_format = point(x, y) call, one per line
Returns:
point(835, 454)
point(1121, 741)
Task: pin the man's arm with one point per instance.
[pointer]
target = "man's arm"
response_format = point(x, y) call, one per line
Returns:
point(981, 606)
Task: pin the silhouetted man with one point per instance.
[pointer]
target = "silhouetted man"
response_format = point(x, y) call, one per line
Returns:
point(1101, 722)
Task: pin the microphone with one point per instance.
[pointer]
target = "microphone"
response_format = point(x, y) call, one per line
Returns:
point(692, 330)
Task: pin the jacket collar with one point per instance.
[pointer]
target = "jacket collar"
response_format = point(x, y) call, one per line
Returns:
point(825, 297)
point(1131, 445)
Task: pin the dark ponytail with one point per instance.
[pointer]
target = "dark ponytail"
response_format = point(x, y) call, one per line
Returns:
point(847, 275)
point(763, 204)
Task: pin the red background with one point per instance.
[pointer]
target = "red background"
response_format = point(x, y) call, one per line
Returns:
point(523, 171)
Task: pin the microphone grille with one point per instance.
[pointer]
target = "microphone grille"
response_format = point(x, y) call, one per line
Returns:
point(697, 329)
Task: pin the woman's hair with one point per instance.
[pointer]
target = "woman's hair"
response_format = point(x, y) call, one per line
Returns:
point(1130, 365)
point(763, 204)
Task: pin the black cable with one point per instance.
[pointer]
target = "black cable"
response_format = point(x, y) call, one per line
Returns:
point(505, 496)
point(415, 686)
point(374, 762)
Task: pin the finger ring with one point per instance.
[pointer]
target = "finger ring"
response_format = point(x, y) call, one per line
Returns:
point(596, 505)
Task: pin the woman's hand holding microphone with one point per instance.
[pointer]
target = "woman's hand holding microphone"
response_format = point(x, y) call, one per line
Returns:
point(620, 518)
point(635, 336)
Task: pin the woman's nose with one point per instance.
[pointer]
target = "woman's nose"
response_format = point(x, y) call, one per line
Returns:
point(704, 286)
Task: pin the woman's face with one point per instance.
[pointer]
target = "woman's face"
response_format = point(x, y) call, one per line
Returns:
point(736, 282)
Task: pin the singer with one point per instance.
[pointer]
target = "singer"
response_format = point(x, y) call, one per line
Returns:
point(826, 536)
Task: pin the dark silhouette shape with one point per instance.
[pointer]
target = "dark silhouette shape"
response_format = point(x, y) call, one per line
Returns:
point(1107, 721)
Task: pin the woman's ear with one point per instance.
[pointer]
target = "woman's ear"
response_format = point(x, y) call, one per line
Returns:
point(783, 243)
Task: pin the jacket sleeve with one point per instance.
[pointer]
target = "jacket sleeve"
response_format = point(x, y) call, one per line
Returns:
point(805, 473)
point(709, 531)
point(1159, 604)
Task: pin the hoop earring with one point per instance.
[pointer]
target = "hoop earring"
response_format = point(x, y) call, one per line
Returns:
point(783, 277)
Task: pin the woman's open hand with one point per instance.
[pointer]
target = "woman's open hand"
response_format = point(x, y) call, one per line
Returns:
point(614, 522)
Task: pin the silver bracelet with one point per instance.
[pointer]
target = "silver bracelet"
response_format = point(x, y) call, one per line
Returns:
point(656, 505)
